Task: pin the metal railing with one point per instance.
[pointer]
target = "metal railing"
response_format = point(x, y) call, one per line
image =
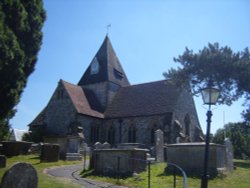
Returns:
point(176, 168)
point(182, 172)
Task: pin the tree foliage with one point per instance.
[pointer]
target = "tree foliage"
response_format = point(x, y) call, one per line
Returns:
point(21, 22)
point(36, 134)
point(239, 134)
point(229, 71)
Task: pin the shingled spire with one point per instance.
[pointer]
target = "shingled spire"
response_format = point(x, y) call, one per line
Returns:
point(105, 75)
point(105, 66)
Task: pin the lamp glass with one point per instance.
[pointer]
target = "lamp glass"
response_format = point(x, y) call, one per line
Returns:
point(210, 95)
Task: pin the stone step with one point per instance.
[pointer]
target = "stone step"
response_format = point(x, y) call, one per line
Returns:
point(73, 157)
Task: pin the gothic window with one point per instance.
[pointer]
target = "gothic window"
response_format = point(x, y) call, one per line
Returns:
point(132, 134)
point(152, 133)
point(187, 125)
point(111, 135)
point(94, 134)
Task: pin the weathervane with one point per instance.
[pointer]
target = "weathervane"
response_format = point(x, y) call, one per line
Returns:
point(108, 26)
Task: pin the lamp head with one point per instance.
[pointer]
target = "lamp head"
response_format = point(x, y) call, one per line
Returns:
point(210, 95)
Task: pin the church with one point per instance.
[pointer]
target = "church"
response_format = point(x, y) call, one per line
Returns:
point(107, 108)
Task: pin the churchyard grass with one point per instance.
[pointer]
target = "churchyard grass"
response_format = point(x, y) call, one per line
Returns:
point(44, 181)
point(239, 178)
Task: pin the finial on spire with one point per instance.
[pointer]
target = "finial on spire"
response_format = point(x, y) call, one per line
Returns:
point(108, 26)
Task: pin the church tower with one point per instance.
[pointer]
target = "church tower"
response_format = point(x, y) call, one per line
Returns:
point(105, 75)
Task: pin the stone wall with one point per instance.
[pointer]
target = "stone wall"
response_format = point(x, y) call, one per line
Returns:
point(87, 122)
point(60, 112)
point(143, 126)
point(190, 157)
point(186, 108)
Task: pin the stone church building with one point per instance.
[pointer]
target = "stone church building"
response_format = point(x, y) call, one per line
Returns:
point(107, 108)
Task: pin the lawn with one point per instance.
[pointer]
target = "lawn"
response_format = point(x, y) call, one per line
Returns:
point(44, 181)
point(240, 178)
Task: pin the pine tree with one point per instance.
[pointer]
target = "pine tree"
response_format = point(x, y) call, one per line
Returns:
point(21, 22)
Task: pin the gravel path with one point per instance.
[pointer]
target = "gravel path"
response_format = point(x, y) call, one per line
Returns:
point(72, 172)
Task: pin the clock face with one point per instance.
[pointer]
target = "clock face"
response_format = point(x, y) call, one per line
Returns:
point(94, 66)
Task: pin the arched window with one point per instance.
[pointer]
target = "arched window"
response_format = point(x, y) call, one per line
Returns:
point(132, 134)
point(187, 124)
point(152, 133)
point(111, 135)
point(94, 134)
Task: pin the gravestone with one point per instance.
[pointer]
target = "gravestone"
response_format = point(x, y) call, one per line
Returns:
point(50, 153)
point(229, 155)
point(159, 143)
point(20, 175)
point(73, 147)
point(2, 161)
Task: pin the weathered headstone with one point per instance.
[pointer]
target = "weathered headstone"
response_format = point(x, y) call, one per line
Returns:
point(229, 155)
point(20, 175)
point(159, 143)
point(2, 161)
point(50, 153)
point(73, 144)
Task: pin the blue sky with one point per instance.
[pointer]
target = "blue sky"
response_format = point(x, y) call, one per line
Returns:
point(146, 35)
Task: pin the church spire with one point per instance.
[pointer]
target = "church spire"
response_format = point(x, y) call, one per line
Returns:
point(105, 66)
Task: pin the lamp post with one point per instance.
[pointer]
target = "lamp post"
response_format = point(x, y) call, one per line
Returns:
point(209, 96)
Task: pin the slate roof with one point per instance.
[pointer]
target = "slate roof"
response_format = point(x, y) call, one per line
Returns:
point(39, 120)
point(83, 100)
point(110, 67)
point(144, 99)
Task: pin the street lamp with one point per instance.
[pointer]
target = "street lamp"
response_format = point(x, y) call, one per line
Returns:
point(209, 96)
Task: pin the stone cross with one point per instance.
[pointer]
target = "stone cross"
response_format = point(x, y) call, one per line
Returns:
point(159, 142)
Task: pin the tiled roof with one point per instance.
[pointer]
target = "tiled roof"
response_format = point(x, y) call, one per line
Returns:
point(83, 100)
point(110, 67)
point(144, 99)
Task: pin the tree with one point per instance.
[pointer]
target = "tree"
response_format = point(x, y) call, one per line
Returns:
point(35, 134)
point(227, 70)
point(239, 134)
point(21, 22)
point(219, 136)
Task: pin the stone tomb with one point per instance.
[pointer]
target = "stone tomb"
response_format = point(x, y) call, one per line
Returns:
point(119, 161)
point(14, 148)
point(69, 146)
point(21, 175)
point(190, 157)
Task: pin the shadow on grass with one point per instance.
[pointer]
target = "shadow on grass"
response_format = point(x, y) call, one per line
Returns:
point(37, 157)
point(242, 164)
